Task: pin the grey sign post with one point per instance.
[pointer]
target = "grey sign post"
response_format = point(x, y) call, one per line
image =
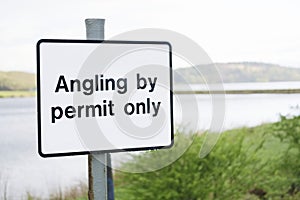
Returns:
point(100, 174)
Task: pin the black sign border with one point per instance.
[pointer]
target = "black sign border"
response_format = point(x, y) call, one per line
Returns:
point(47, 155)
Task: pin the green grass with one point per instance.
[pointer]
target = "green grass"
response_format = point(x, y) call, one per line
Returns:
point(246, 163)
point(13, 94)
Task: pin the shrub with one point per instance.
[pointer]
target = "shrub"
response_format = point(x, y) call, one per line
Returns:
point(231, 170)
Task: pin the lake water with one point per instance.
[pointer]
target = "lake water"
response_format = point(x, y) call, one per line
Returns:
point(22, 169)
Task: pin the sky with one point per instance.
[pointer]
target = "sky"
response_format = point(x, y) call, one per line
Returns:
point(229, 31)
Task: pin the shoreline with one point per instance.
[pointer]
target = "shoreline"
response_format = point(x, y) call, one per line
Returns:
point(17, 94)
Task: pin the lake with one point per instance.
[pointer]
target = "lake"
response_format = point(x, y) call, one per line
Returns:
point(22, 169)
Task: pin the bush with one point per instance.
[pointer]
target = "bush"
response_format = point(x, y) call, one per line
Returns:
point(247, 163)
point(288, 132)
point(231, 170)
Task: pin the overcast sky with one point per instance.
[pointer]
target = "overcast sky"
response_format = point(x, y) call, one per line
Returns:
point(229, 31)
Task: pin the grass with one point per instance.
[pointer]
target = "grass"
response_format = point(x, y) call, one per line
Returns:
point(256, 163)
point(13, 94)
point(77, 191)
point(246, 163)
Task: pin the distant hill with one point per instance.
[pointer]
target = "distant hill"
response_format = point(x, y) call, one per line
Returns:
point(16, 80)
point(239, 72)
point(230, 72)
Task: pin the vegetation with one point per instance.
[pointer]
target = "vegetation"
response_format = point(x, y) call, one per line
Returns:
point(14, 81)
point(6, 94)
point(75, 192)
point(238, 72)
point(247, 163)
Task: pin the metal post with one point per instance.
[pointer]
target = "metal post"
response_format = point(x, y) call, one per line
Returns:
point(94, 29)
point(100, 174)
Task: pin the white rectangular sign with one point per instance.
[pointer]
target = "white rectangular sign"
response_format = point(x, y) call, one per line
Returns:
point(103, 96)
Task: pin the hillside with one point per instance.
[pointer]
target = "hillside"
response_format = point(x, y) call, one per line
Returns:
point(239, 72)
point(16, 80)
point(230, 72)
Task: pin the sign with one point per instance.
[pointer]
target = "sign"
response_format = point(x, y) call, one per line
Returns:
point(103, 96)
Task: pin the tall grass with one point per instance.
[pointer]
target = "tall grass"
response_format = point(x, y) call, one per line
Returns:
point(247, 163)
point(77, 191)
point(3, 187)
